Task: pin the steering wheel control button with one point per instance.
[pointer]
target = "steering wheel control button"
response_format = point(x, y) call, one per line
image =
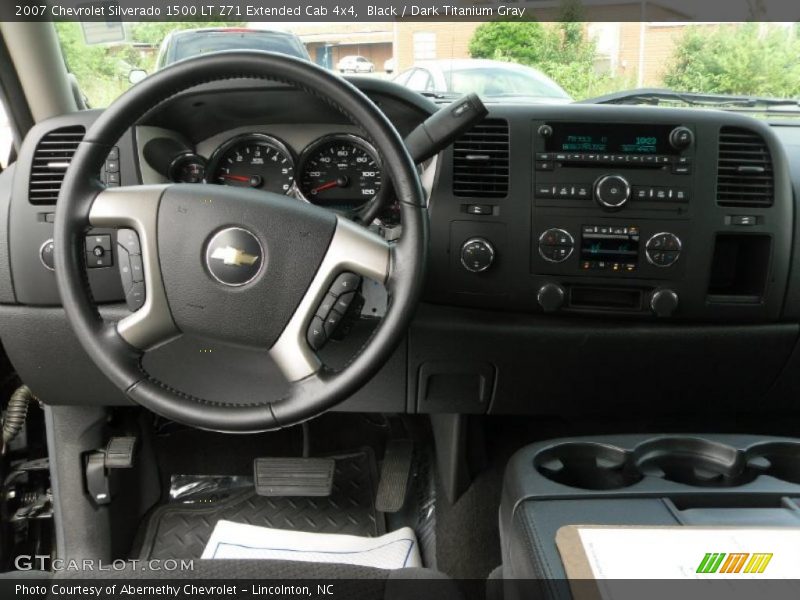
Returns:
point(556, 245)
point(98, 251)
point(129, 239)
point(46, 255)
point(346, 282)
point(131, 272)
point(137, 270)
point(477, 255)
point(326, 305)
point(344, 302)
point(234, 256)
point(612, 191)
point(316, 334)
point(135, 295)
point(663, 249)
point(332, 321)
point(334, 312)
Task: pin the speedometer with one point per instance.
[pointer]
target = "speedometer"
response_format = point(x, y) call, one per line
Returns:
point(254, 160)
point(340, 171)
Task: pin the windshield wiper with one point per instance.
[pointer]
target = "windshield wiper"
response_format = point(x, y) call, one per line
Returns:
point(441, 95)
point(657, 96)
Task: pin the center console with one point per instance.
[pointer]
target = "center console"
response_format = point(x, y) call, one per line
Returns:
point(640, 480)
point(660, 213)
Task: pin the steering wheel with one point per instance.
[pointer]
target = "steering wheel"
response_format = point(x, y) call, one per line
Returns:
point(240, 265)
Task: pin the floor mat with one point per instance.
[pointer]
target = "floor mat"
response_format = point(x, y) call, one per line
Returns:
point(182, 531)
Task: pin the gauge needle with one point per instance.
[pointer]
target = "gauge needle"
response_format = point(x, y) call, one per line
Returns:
point(252, 180)
point(242, 178)
point(338, 182)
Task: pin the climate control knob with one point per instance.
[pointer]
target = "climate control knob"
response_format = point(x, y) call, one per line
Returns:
point(612, 191)
point(477, 254)
point(664, 302)
point(663, 249)
point(551, 297)
point(556, 245)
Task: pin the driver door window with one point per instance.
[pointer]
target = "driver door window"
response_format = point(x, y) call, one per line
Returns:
point(6, 137)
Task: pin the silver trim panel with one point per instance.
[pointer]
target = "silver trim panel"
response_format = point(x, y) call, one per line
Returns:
point(352, 248)
point(137, 208)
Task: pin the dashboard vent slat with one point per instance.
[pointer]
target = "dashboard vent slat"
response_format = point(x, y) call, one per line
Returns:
point(481, 161)
point(50, 162)
point(744, 170)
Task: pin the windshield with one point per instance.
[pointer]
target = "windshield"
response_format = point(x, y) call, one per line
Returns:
point(503, 82)
point(503, 61)
point(194, 43)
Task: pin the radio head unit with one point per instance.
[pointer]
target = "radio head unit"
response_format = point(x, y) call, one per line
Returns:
point(607, 138)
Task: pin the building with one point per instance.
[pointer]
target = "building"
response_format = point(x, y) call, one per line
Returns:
point(327, 43)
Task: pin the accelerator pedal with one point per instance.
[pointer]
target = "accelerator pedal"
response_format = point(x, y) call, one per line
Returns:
point(285, 477)
point(395, 472)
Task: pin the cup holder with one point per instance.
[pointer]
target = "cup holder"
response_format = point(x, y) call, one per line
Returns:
point(694, 461)
point(780, 460)
point(587, 465)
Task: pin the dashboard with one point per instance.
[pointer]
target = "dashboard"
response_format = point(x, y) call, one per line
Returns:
point(654, 244)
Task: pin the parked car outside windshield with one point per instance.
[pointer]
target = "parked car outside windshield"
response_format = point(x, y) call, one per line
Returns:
point(180, 45)
point(355, 64)
point(487, 78)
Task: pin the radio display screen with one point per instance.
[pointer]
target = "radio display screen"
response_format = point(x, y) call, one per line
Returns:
point(607, 246)
point(618, 138)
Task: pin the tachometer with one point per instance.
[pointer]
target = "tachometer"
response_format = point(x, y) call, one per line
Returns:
point(254, 160)
point(340, 171)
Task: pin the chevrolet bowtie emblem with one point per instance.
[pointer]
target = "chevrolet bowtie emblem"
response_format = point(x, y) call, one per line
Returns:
point(233, 256)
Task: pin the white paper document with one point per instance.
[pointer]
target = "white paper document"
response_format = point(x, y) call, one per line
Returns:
point(692, 552)
point(395, 550)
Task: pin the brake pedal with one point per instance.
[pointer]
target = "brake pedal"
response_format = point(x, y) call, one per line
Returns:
point(395, 472)
point(293, 476)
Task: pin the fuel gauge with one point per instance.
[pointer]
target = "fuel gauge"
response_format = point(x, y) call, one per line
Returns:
point(188, 168)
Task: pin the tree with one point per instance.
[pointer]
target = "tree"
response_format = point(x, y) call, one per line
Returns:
point(748, 59)
point(102, 70)
point(561, 51)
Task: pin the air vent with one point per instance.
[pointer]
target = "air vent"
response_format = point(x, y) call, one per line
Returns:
point(50, 162)
point(745, 169)
point(480, 161)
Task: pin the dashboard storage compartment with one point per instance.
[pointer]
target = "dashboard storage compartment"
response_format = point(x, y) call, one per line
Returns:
point(739, 268)
point(588, 465)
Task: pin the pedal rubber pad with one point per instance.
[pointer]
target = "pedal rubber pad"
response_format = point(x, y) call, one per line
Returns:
point(394, 476)
point(293, 476)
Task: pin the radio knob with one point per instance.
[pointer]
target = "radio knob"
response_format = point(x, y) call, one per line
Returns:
point(545, 131)
point(664, 303)
point(612, 191)
point(681, 138)
point(551, 297)
point(477, 255)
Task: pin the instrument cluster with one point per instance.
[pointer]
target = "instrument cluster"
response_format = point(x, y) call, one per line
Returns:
point(341, 171)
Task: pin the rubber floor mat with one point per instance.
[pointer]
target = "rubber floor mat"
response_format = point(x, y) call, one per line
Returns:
point(182, 530)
